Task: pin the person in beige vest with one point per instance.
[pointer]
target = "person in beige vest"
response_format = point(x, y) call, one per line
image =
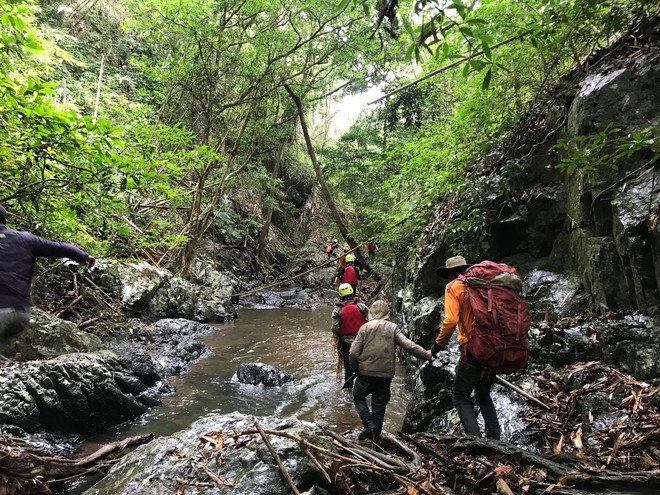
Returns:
point(372, 355)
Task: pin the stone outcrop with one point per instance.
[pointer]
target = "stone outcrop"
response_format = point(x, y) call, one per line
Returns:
point(243, 467)
point(173, 344)
point(156, 293)
point(48, 337)
point(79, 393)
point(602, 231)
point(583, 243)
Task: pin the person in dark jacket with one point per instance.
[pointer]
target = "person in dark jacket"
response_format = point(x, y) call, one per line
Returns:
point(347, 318)
point(18, 253)
point(372, 355)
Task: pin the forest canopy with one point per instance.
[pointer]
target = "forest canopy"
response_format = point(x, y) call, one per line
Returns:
point(135, 128)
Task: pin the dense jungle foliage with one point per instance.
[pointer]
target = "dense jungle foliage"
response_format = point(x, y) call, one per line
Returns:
point(136, 128)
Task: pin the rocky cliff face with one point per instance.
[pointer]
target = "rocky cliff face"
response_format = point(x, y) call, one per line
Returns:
point(600, 221)
point(585, 236)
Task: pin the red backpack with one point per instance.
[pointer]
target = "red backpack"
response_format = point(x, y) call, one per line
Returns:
point(499, 336)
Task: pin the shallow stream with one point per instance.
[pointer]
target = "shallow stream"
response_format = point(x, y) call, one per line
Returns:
point(297, 341)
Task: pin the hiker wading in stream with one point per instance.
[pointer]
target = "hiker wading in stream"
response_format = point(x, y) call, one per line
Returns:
point(372, 355)
point(18, 253)
point(347, 318)
point(469, 375)
point(348, 273)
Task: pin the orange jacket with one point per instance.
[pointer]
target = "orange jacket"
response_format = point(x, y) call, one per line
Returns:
point(456, 312)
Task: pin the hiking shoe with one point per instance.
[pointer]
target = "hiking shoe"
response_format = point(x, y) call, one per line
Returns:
point(367, 432)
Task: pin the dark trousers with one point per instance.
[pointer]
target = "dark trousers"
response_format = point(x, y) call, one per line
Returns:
point(345, 348)
point(469, 378)
point(13, 322)
point(379, 389)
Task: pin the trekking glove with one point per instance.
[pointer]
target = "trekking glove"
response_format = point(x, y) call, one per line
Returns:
point(435, 349)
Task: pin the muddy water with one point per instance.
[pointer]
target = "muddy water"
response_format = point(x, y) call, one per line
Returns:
point(297, 341)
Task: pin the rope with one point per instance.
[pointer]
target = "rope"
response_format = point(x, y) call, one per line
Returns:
point(275, 284)
point(334, 260)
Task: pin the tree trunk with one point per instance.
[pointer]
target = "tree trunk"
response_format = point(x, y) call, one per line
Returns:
point(334, 211)
point(268, 215)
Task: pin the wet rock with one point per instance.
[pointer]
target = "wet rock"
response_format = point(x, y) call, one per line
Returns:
point(134, 283)
point(426, 319)
point(563, 346)
point(223, 285)
point(48, 337)
point(135, 358)
point(157, 293)
point(631, 343)
point(75, 392)
point(179, 298)
point(173, 344)
point(262, 374)
point(273, 299)
point(56, 444)
point(154, 468)
point(552, 295)
point(634, 232)
point(431, 393)
point(421, 414)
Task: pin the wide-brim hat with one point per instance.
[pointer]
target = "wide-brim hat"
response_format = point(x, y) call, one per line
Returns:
point(453, 264)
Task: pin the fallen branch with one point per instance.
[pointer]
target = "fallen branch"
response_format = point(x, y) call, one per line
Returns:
point(22, 463)
point(283, 470)
point(520, 391)
point(380, 460)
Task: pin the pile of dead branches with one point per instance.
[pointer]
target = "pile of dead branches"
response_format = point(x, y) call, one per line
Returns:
point(599, 415)
point(433, 464)
point(27, 469)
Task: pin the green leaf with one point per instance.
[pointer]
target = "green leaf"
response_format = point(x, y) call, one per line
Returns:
point(467, 32)
point(485, 84)
point(476, 21)
point(486, 50)
point(410, 51)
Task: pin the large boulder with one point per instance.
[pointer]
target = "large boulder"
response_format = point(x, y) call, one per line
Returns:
point(262, 374)
point(554, 295)
point(78, 393)
point(157, 293)
point(48, 337)
point(210, 452)
point(179, 298)
point(134, 283)
point(173, 343)
point(426, 318)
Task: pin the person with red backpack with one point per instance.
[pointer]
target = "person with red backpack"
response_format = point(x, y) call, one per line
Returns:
point(348, 273)
point(331, 249)
point(469, 374)
point(484, 301)
point(347, 317)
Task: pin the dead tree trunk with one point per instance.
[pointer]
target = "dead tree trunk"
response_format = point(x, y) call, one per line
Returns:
point(334, 211)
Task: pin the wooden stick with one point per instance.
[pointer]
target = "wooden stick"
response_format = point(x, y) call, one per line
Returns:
point(519, 390)
point(69, 306)
point(285, 473)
